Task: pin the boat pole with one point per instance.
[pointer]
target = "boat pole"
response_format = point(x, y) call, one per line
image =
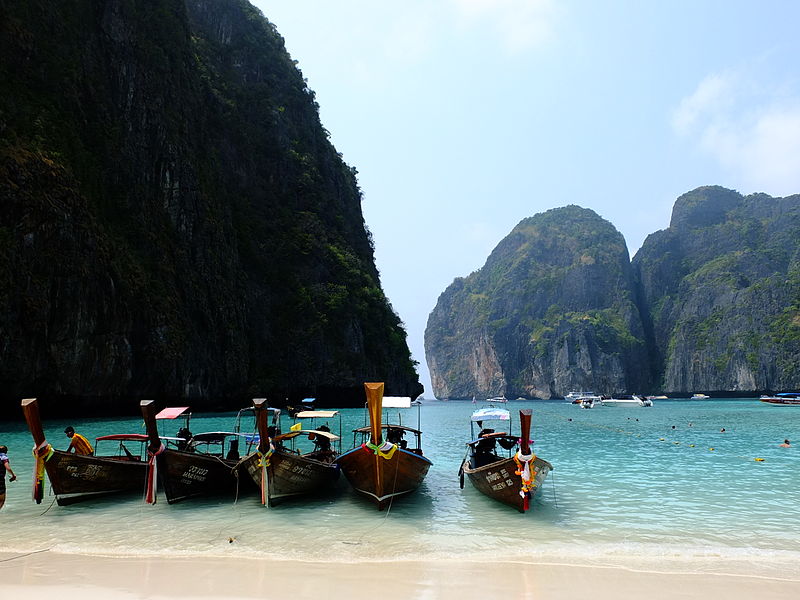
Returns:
point(41, 449)
point(259, 405)
point(154, 448)
point(30, 408)
point(375, 407)
point(525, 456)
point(525, 430)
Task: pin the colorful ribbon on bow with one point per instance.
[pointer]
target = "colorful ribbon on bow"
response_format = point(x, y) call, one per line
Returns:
point(385, 450)
point(263, 463)
point(152, 468)
point(524, 471)
point(42, 454)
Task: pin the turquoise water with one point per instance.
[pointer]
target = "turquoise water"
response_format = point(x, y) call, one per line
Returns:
point(627, 489)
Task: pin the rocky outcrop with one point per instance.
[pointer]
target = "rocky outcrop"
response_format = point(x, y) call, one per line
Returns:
point(174, 222)
point(722, 285)
point(553, 309)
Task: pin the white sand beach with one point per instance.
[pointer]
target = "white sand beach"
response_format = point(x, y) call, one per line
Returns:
point(47, 575)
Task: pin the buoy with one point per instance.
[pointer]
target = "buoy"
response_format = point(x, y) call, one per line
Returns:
point(660, 439)
point(759, 459)
point(711, 449)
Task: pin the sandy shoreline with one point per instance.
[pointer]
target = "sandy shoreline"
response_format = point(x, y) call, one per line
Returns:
point(48, 575)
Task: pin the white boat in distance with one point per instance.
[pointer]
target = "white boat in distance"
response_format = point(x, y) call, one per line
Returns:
point(627, 400)
point(576, 397)
point(699, 397)
point(590, 402)
point(497, 399)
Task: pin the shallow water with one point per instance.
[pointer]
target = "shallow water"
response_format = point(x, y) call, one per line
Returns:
point(627, 489)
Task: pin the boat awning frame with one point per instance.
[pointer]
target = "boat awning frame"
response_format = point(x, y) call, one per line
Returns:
point(292, 434)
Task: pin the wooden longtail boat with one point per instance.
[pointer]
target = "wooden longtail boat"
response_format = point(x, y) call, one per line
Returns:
point(279, 469)
point(76, 477)
point(196, 465)
point(383, 469)
point(514, 479)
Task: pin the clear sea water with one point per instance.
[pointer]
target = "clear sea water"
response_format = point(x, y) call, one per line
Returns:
point(627, 489)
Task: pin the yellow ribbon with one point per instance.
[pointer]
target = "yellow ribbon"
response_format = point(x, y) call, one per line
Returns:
point(385, 450)
point(42, 453)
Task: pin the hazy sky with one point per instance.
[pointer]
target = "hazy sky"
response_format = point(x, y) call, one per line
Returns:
point(464, 117)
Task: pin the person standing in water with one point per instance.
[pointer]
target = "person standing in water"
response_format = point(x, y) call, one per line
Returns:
point(6, 466)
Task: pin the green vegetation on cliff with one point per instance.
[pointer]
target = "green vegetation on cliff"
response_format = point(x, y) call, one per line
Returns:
point(175, 221)
point(552, 309)
point(723, 291)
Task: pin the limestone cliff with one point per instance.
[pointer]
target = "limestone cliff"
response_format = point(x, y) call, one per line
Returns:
point(174, 221)
point(722, 284)
point(553, 309)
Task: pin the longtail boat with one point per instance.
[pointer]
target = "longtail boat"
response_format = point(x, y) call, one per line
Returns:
point(513, 479)
point(279, 468)
point(380, 467)
point(78, 477)
point(189, 465)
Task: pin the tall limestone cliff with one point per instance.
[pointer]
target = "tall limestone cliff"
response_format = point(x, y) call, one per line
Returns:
point(722, 284)
point(174, 222)
point(553, 309)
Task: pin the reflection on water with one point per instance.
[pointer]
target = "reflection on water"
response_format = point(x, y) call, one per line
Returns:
point(629, 484)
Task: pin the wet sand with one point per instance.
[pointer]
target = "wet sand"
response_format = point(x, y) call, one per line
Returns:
point(47, 575)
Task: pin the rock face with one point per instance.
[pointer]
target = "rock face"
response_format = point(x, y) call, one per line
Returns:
point(722, 285)
point(174, 222)
point(553, 309)
point(710, 304)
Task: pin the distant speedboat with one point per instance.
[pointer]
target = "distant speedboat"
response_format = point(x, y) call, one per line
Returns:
point(576, 397)
point(497, 399)
point(629, 400)
point(785, 399)
point(699, 397)
point(590, 402)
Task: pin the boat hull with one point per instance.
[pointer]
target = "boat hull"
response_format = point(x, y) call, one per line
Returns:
point(185, 475)
point(291, 475)
point(380, 479)
point(623, 403)
point(498, 480)
point(790, 401)
point(75, 477)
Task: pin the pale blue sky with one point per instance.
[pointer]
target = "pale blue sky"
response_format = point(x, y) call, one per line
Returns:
point(464, 117)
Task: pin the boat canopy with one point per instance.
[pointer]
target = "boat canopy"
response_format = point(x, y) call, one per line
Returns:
point(396, 402)
point(317, 414)
point(172, 412)
point(491, 413)
point(124, 437)
point(309, 400)
point(287, 436)
point(212, 437)
point(385, 426)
